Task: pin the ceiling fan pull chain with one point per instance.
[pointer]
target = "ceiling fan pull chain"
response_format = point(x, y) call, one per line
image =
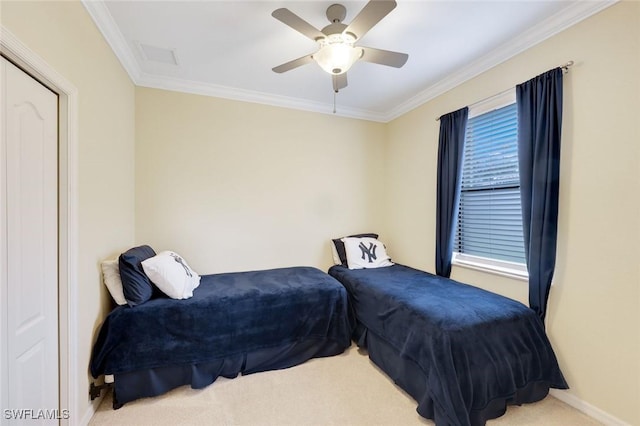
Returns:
point(334, 101)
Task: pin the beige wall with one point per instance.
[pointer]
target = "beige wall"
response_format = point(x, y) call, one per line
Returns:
point(236, 186)
point(594, 309)
point(64, 35)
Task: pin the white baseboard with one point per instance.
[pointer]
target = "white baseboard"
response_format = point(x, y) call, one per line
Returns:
point(91, 410)
point(588, 409)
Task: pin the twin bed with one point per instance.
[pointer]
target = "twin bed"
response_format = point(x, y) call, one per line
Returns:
point(462, 353)
point(242, 322)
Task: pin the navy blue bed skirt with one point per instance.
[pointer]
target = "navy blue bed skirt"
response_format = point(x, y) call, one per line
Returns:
point(412, 379)
point(156, 381)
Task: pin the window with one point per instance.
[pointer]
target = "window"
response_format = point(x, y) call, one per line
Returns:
point(489, 226)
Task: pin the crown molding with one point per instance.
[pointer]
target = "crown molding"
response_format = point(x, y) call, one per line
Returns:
point(236, 94)
point(111, 33)
point(562, 20)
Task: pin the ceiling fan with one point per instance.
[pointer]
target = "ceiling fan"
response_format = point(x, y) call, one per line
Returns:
point(337, 50)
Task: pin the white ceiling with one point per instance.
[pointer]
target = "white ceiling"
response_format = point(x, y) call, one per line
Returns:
point(227, 48)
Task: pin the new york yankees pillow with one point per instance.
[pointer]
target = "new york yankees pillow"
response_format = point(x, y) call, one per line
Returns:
point(365, 253)
point(171, 274)
point(337, 248)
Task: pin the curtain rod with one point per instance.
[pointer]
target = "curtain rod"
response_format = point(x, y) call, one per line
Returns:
point(565, 69)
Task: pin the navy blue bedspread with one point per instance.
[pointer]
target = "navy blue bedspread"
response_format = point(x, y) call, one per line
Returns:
point(473, 349)
point(229, 314)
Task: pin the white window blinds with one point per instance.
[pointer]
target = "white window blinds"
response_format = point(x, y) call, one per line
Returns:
point(489, 218)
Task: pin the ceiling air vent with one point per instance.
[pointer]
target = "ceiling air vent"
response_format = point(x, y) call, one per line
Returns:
point(158, 54)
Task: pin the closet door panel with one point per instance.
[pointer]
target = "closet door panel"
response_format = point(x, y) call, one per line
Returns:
point(30, 117)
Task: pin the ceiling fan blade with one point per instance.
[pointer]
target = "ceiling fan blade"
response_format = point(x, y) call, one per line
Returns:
point(293, 64)
point(369, 16)
point(339, 81)
point(384, 57)
point(289, 18)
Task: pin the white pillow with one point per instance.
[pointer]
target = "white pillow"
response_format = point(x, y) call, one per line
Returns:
point(365, 252)
point(111, 278)
point(171, 274)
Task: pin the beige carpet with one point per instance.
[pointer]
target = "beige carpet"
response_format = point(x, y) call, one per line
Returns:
point(343, 390)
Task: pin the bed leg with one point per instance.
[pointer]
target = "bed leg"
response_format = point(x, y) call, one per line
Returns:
point(94, 391)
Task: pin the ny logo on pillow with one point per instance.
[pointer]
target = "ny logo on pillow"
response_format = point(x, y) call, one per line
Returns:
point(369, 252)
point(178, 259)
point(365, 252)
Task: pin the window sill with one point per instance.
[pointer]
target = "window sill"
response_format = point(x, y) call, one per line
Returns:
point(516, 271)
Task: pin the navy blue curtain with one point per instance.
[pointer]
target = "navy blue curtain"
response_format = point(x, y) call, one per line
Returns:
point(450, 149)
point(539, 104)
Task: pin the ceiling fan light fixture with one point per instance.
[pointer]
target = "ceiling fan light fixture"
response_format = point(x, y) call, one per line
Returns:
point(337, 53)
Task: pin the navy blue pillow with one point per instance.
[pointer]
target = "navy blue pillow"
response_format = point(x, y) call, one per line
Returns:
point(342, 254)
point(136, 285)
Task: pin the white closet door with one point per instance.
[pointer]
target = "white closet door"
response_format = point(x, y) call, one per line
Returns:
point(30, 234)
